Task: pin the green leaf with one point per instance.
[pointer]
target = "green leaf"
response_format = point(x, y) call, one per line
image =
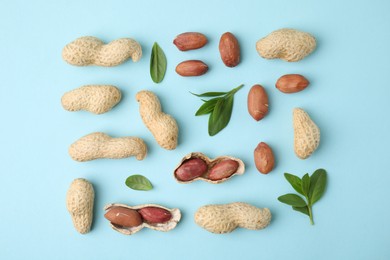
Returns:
point(317, 185)
point(221, 114)
point(304, 210)
point(138, 182)
point(292, 200)
point(233, 91)
point(305, 184)
point(295, 182)
point(209, 94)
point(207, 107)
point(158, 64)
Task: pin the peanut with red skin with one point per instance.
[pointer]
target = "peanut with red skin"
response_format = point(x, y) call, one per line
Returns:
point(191, 169)
point(124, 217)
point(223, 169)
point(191, 68)
point(190, 41)
point(264, 158)
point(155, 215)
point(229, 49)
point(292, 83)
point(257, 102)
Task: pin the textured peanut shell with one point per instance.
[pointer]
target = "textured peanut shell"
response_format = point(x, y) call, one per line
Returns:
point(79, 202)
point(100, 145)
point(90, 50)
point(162, 126)
point(306, 134)
point(222, 219)
point(286, 44)
point(210, 163)
point(97, 99)
point(165, 227)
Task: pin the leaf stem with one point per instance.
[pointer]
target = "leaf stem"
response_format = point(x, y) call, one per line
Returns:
point(310, 214)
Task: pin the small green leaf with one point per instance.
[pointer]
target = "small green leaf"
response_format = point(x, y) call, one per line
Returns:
point(221, 114)
point(304, 210)
point(295, 182)
point(305, 184)
point(158, 64)
point(292, 200)
point(207, 107)
point(317, 185)
point(138, 182)
point(209, 94)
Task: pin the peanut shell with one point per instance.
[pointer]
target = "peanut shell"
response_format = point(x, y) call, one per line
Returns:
point(306, 134)
point(162, 126)
point(100, 145)
point(286, 44)
point(90, 50)
point(97, 99)
point(225, 218)
point(79, 202)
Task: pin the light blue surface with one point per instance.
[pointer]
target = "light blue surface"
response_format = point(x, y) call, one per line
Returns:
point(348, 98)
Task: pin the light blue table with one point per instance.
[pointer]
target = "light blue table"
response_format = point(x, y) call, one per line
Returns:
point(348, 98)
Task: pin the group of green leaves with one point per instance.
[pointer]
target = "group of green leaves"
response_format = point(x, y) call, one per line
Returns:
point(311, 187)
point(219, 107)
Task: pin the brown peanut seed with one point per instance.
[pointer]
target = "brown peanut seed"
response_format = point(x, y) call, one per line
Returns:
point(264, 158)
point(191, 68)
point(190, 41)
point(223, 169)
point(257, 102)
point(191, 169)
point(229, 49)
point(292, 83)
point(154, 215)
point(124, 217)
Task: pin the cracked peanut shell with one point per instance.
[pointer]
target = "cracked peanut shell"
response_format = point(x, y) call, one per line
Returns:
point(210, 164)
point(165, 227)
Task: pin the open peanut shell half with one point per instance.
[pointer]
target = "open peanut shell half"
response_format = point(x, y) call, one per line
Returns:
point(116, 210)
point(197, 166)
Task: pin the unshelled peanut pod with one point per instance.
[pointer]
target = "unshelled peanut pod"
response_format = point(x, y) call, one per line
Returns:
point(306, 134)
point(225, 218)
point(79, 202)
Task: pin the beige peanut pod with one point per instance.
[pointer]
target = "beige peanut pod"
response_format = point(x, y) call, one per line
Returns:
point(97, 99)
point(175, 216)
point(90, 50)
point(79, 202)
point(163, 126)
point(100, 145)
point(225, 218)
point(306, 134)
point(286, 44)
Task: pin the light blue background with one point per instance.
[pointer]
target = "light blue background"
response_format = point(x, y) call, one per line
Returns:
point(348, 98)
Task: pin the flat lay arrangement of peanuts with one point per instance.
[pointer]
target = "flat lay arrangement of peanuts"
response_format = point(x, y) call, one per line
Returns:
point(288, 45)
